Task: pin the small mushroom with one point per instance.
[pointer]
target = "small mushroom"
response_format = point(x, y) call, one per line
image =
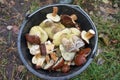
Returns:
point(87, 35)
point(80, 58)
point(34, 49)
point(58, 64)
point(38, 60)
point(68, 20)
point(49, 65)
point(53, 16)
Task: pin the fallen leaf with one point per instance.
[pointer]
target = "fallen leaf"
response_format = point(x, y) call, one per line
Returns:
point(20, 68)
point(2, 1)
point(2, 41)
point(105, 1)
point(9, 27)
point(111, 11)
point(12, 3)
point(104, 38)
point(115, 41)
point(100, 61)
point(15, 29)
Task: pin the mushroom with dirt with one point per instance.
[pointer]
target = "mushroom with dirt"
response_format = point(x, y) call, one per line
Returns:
point(53, 16)
point(87, 35)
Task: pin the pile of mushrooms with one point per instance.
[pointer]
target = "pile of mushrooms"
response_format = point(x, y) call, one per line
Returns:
point(58, 43)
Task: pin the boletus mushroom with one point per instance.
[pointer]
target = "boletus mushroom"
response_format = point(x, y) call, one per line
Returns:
point(69, 21)
point(80, 58)
point(87, 35)
point(53, 16)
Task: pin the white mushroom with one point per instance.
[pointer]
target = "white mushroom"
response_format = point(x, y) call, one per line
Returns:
point(38, 60)
point(34, 49)
point(73, 44)
point(49, 47)
point(87, 35)
point(78, 42)
point(68, 56)
point(49, 65)
point(53, 16)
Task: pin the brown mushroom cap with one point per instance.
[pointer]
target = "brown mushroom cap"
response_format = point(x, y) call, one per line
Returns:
point(69, 20)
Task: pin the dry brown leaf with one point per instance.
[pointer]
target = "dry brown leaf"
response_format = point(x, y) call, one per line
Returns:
point(111, 11)
point(3, 1)
point(104, 38)
point(115, 41)
point(20, 68)
point(15, 29)
point(12, 3)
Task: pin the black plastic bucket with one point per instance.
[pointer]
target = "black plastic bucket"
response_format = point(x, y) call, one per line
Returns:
point(35, 19)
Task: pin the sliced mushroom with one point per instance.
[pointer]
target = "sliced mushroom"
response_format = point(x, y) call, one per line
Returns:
point(54, 56)
point(47, 58)
point(58, 64)
point(87, 35)
point(34, 49)
point(53, 16)
point(43, 49)
point(49, 47)
point(68, 21)
point(49, 65)
point(38, 60)
point(68, 56)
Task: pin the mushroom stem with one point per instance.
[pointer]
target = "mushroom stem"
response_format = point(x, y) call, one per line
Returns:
point(74, 17)
point(55, 10)
point(90, 34)
point(54, 56)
